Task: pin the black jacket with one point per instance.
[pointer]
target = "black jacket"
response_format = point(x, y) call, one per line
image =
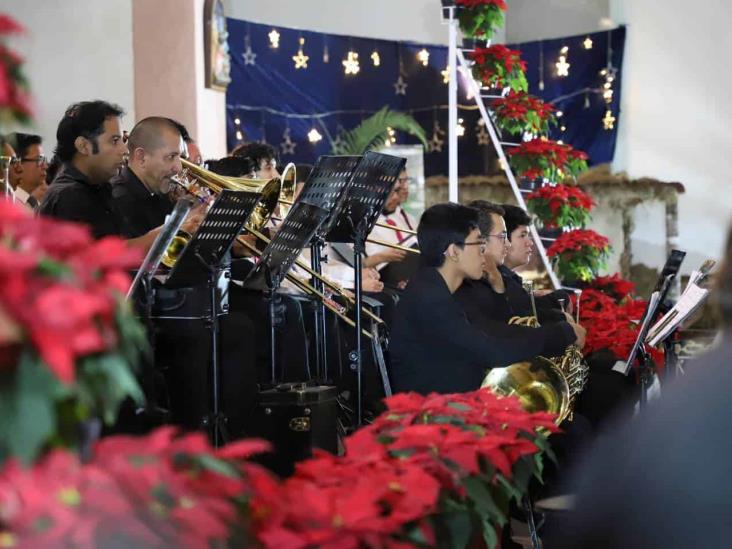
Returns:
point(72, 197)
point(518, 301)
point(140, 210)
point(486, 310)
point(433, 346)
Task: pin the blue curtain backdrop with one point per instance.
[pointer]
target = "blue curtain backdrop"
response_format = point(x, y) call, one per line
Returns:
point(269, 96)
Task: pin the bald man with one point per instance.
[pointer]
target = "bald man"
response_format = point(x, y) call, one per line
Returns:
point(140, 190)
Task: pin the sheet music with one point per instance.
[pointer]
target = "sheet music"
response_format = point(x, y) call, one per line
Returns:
point(692, 298)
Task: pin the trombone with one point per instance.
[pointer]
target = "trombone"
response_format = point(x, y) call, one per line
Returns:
point(270, 190)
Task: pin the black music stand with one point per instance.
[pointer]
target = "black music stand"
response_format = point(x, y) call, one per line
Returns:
point(201, 262)
point(357, 212)
point(293, 235)
point(325, 188)
point(655, 304)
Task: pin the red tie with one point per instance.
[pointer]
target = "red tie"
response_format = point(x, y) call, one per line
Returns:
point(391, 222)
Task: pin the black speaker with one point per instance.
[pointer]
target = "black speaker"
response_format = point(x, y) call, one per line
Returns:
point(295, 418)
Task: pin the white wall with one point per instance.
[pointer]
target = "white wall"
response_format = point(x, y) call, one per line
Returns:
point(415, 20)
point(676, 112)
point(528, 20)
point(75, 50)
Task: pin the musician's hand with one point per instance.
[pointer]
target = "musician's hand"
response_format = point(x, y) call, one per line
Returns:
point(370, 273)
point(402, 284)
point(194, 219)
point(580, 334)
point(369, 284)
point(391, 255)
point(540, 293)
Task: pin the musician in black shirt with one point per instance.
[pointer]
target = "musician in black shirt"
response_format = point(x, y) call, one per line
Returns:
point(90, 145)
point(489, 305)
point(433, 346)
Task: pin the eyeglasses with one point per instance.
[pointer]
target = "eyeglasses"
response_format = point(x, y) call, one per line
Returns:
point(502, 236)
point(481, 243)
point(39, 160)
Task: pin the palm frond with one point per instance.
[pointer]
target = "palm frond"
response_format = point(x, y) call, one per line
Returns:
point(373, 132)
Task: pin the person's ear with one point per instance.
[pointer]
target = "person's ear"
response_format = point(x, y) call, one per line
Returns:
point(17, 167)
point(83, 145)
point(452, 252)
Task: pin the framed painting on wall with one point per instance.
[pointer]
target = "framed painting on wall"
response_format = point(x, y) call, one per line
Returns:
point(216, 47)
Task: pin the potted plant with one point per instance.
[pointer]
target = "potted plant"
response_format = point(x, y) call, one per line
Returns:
point(560, 206)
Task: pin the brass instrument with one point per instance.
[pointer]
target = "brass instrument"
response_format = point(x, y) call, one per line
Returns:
point(214, 183)
point(541, 384)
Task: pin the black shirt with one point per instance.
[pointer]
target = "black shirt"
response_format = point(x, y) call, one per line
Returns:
point(433, 346)
point(72, 197)
point(486, 310)
point(140, 210)
point(518, 300)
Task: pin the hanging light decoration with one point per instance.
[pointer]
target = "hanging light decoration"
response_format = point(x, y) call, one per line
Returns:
point(423, 57)
point(300, 59)
point(239, 135)
point(314, 136)
point(445, 75)
point(351, 64)
point(608, 121)
point(587, 44)
point(375, 58)
point(274, 39)
point(562, 65)
point(460, 128)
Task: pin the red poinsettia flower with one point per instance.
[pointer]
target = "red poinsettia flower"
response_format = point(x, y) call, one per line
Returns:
point(564, 206)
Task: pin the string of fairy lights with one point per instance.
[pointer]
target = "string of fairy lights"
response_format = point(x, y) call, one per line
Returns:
point(352, 63)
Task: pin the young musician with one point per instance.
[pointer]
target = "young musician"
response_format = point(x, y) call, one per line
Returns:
point(28, 174)
point(433, 346)
point(486, 301)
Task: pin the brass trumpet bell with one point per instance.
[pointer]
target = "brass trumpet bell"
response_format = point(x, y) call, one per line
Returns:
point(538, 384)
point(269, 189)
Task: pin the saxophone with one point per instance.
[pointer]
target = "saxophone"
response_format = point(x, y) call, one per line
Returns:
point(541, 384)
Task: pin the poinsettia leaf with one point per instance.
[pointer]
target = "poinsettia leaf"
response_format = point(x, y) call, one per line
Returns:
point(478, 491)
point(458, 529)
point(213, 464)
point(104, 382)
point(490, 536)
point(28, 408)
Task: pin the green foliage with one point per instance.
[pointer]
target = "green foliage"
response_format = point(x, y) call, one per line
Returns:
point(480, 22)
point(583, 266)
point(373, 132)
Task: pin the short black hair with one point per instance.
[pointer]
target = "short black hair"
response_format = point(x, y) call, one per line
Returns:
point(442, 225)
point(485, 209)
point(146, 133)
point(182, 130)
point(21, 142)
point(231, 166)
point(85, 119)
point(256, 151)
point(514, 218)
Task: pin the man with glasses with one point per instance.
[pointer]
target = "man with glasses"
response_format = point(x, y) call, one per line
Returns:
point(433, 346)
point(487, 302)
point(28, 174)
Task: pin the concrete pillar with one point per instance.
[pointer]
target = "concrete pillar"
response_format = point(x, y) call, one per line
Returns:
point(169, 70)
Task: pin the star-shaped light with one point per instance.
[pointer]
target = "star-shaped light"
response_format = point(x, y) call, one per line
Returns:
point(562, 66)
point(435, 144)
point(249, 56)
point(423, 57)
point(445, 75)
point(300, 59)
point(274, 39)
point(460, 128)
point(287, 145)
point(314, 136)
point(587, 43)
point(350, 63)
point(608, 122)
point(481, 134)
point(400, 86)
point(375, 58)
